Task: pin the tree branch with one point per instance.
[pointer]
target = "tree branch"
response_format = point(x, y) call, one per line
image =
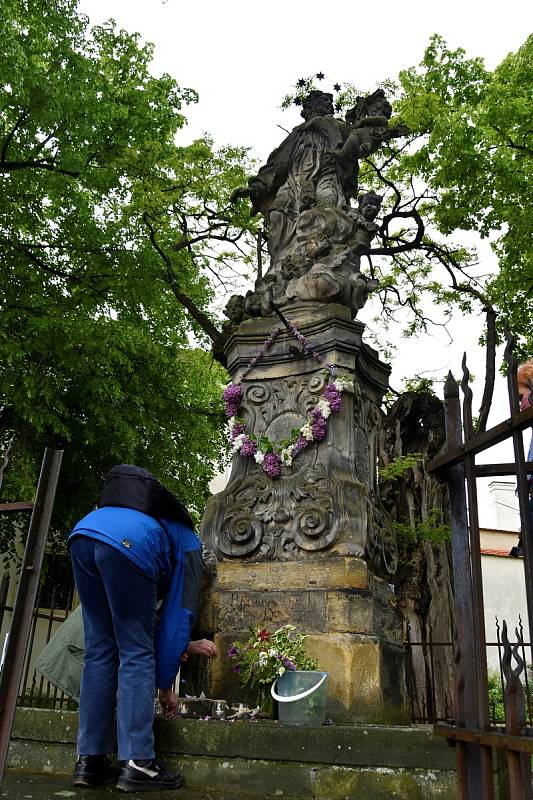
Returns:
point(13, 166)
point(196, 313)
point(490, 371)
point(10, 136)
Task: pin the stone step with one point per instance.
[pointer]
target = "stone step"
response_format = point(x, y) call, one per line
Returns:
point(266, 759)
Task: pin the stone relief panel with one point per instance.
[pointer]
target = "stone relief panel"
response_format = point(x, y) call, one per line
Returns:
point(282, 519)
point(326, 503)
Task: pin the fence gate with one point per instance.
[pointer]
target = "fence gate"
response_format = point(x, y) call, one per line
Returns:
point(476, 739)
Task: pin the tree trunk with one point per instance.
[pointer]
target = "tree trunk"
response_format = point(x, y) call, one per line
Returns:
point(423, 582)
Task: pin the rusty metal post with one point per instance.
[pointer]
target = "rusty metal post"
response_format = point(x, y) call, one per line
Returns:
point(26, 594)
point(478, 608)
point(4, 589)
point(518, 764)
point(521, 481)
point(469, 774)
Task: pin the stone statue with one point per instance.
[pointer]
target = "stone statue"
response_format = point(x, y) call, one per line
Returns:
point(310, 543)
point(315, 238)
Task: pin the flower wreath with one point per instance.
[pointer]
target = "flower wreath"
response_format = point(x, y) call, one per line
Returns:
point(269, 455)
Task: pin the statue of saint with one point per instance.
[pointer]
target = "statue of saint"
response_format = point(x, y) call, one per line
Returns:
point(305, 188)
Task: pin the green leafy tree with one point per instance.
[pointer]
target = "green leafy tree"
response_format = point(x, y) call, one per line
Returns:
point(109, 234)
point(476, 154)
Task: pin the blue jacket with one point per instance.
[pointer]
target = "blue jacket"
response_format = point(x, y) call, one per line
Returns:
point(171, 554)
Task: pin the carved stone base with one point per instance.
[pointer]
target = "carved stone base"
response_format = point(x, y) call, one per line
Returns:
point(347, 613)
point(327, 501)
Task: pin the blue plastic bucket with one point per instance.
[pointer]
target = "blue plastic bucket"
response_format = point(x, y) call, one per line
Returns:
point(301, 697)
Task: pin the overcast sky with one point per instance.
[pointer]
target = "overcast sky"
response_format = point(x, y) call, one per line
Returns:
point(242, 57)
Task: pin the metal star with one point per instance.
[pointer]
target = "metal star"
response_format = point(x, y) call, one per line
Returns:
point(301, 83)
point(337, 87)
point(297, 101)
point(320, 76)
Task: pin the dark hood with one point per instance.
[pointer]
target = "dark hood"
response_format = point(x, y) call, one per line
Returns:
point(128, 486)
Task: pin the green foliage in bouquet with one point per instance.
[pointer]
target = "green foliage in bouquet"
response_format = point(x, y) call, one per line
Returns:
point(265, 656)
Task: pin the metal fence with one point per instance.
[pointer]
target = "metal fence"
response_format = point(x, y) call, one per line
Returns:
point(54, 603)
point(429, 706)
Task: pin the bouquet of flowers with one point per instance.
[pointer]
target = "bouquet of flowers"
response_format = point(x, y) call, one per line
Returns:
point(265, 656)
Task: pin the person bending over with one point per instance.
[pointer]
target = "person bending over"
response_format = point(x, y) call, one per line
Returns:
point(137, 546)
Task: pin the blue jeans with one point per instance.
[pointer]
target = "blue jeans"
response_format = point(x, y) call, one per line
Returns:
point(118, 603)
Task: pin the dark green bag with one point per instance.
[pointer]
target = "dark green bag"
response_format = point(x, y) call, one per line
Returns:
point(61, 661)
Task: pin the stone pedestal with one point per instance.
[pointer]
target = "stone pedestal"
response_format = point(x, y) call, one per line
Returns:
point(349, 617)
point(313, 547)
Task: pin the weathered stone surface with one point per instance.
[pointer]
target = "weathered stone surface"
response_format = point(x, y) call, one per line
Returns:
point(53, 758)
point(366, 680)
point(331, 573)
point(339, 783)
point(265, 759)
point(411, 747)
point(313, 611)
point(307, 548)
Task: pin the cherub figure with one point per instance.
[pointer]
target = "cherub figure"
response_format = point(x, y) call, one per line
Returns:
point(369, 122)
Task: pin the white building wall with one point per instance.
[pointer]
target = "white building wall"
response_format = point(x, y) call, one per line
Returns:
point(504, 590)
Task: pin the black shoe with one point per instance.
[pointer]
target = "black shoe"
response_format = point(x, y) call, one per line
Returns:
point(145, 775)
point(94, 771)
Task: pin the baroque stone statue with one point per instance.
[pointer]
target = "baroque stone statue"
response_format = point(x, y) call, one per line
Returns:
point(310, 543)
point(304, 191)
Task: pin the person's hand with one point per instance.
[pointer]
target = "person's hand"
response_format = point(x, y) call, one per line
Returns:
point(168, 700)
point(202, 647)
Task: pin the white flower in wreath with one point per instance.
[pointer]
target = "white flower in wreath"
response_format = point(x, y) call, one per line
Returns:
point(263, 658)
point(238, 442)
point(286, 455)
point(307, 432)
point(281, 670)
point(324, 407)
point(341, 384)
point(272, 652)
point(232, 421)
point(259, 457)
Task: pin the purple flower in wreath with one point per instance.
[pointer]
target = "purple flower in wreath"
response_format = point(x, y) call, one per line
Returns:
point(233, 393)
point(333, 396)
point(288, 664)
point(335, 403)
point(249, 447)
point(236, 668)
point(272, 465)
point(237, 429)
point(300, 444)
point(232, 652)
point(232, 398)
point(319, 428)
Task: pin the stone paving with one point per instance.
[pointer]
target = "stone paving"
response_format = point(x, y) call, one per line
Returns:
point(20, 785)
